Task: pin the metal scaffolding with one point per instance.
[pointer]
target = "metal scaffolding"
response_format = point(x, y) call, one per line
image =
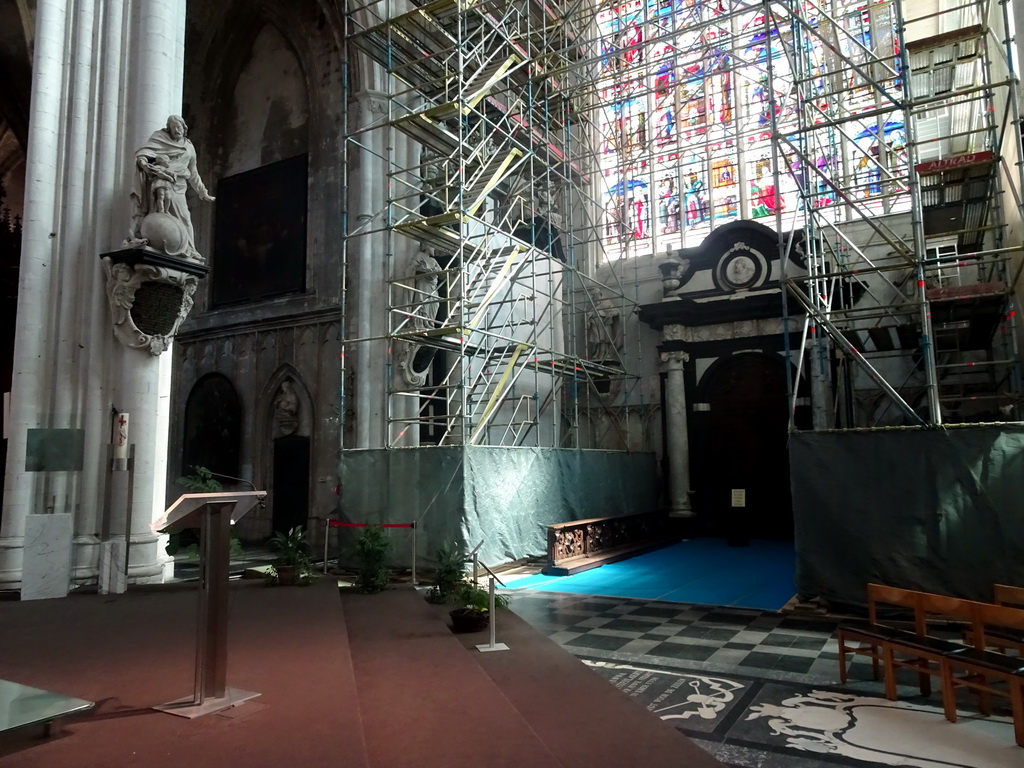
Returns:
point(557, 144)
point(503, 327)
point(909, 285)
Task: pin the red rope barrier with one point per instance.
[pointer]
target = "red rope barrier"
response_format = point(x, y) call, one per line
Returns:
point(339, 524)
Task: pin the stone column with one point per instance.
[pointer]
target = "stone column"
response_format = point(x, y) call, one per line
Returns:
point(106, 74)
point(155, 69)
point(678, 447)
point(367, 265)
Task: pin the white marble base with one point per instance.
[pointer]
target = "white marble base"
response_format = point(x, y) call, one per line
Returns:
point(111, 569)
point(186, 707)
point(46, 571)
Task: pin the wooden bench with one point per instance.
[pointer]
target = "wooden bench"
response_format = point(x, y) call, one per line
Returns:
point(890, 647)
point(981, 670)
point(1003, 641)
point(974, 666)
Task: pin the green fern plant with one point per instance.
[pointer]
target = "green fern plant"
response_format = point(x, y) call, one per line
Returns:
point(200, 481)
point(371, 553)
point(451, 570)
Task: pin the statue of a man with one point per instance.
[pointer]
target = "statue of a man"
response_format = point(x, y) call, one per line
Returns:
point(286, 409)
point(426, 297)
point(604, 330)
point(165, 168)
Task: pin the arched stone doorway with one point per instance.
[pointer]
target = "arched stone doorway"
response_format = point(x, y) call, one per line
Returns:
point(213, 427)
point(291, 412)
point(738, 448)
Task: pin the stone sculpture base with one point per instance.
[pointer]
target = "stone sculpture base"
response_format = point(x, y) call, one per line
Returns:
point(150, 294)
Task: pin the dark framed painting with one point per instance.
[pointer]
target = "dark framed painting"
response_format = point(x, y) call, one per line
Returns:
point(260, 233)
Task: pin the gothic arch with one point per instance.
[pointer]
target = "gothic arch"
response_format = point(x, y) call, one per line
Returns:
point(212, 432)
point(265, 402)
point(286, 439)
point(224, 52)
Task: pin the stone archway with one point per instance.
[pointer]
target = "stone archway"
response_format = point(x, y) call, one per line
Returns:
point(289, 423)
point(213, 427)
point(739, 444)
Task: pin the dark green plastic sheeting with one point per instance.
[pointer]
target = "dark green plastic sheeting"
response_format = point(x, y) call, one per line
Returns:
point(940, 510)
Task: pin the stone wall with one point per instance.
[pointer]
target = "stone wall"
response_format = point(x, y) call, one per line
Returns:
point(263, 84)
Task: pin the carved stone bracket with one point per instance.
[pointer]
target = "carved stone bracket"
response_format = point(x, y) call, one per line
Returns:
point(150, 294)
point(406, 359)
point(674, 332)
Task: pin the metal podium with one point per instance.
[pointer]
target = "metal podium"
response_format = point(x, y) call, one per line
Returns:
point(213, 514)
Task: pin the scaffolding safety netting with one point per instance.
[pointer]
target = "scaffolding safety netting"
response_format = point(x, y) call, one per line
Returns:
point(503, 497)
point(936, 510)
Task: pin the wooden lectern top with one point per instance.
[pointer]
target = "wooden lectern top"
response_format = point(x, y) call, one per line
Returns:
point(186, 512)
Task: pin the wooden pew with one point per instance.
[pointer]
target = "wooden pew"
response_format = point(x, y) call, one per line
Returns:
point(985, 671)
point(1000, 640)
point(973, 666)
point(893, 648)
point(1011, 597)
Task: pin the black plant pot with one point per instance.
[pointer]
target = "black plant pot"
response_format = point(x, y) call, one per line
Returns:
point(469, 620)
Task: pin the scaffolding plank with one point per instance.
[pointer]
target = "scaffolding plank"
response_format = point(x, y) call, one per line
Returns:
point(488, 177)
point(945, 38)
point(423, 128)
point(486, 78)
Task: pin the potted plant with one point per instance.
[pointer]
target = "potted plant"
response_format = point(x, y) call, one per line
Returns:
point(186, 542)
point(472, 611)
point(450, 571)
point(372, 549)
point(292, 563)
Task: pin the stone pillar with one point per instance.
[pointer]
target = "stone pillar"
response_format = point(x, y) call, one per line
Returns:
point(677, 447)
point(106, 74)
point(367, 265)
point(156, 70)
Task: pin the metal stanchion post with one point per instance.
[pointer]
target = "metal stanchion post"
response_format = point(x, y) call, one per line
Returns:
point(492, 646)
point(327, 534)
point(414, 553)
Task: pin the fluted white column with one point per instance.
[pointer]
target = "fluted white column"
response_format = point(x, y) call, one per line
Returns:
point(678, 445)
point(144, 388)
point(22, 490)
point(367, 260)
point(106, 74)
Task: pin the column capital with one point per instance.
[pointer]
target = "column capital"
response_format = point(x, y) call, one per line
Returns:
point(675, 358)
point(369, 108)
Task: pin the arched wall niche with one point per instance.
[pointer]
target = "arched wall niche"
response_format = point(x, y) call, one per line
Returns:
point(269, 118)
point(263, 80)
point(271, 51)
point(212, 427)
point(287, 437)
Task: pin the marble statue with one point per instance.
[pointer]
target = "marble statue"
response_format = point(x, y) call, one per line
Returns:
point(286, 409)
point(425, 293)
point(165, 166)
point(604, 330)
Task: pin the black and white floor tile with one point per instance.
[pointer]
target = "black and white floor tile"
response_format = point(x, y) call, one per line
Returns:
point(761, 690)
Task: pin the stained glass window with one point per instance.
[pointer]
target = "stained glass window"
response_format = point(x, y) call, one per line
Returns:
point(700, 124)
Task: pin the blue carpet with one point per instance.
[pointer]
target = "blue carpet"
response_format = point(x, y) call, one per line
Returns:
point(699, 571)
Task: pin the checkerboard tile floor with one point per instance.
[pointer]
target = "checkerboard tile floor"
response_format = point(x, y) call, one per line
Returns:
point(703, 637)
point(762, 690)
